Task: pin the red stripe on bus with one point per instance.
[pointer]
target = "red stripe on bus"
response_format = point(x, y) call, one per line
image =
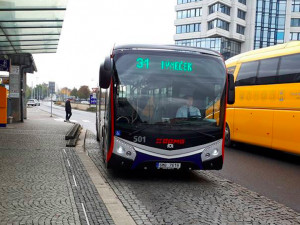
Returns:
point(224, 127)
point(111, 148)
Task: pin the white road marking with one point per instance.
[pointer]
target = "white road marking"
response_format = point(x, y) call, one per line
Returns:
point(86, 121)
point(64, 151)
point(74, 181)
point(87, 219)
point(59, 119)
point(69, 163)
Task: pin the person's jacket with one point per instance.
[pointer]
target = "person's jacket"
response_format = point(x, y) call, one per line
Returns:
point(68, 107)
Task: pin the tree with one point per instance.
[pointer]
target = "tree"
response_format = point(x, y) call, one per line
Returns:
point(84, 92)
point(65, 93)
point(74, 92)
point(28, 92)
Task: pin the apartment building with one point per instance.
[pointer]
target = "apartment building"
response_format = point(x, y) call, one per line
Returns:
point(234, 26)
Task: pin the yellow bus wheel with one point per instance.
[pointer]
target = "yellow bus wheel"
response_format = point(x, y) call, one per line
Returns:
point(227, 136)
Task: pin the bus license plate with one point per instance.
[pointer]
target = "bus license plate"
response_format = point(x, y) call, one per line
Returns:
point(168, 165)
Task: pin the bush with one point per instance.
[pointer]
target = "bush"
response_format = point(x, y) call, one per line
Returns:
point(92, 109)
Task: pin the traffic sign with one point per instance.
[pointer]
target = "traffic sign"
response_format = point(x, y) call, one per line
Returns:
point(94, 90)
point(93, 99)
point(51, 87)
point(4, 65)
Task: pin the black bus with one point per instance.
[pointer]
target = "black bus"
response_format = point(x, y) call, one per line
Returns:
point(152, 107)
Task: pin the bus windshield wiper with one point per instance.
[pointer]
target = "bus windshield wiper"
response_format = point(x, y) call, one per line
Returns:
point(205, 134)
point(202, 133)
point(139, 130)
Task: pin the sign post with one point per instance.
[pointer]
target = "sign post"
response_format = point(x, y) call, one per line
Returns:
point(51, 90)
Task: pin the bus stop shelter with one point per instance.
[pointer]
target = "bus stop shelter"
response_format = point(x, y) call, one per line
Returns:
point(26, 28)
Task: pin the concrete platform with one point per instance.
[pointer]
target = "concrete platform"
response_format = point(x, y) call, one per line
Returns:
point(42, 181)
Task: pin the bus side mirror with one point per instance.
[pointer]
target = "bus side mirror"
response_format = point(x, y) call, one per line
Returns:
point(231, 89)
point(105, 73)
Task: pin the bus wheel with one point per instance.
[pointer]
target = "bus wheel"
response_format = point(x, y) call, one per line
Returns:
point(227, 136)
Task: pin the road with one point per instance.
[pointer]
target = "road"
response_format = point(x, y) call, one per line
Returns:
point(270, 173)
point(86, 119)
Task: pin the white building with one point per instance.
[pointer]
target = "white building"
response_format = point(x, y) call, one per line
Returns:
point(235, 26)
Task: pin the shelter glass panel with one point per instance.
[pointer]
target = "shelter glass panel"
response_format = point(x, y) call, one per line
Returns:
point(32, 37)
point(32, 15)
point(32, 24)
point(32, 31)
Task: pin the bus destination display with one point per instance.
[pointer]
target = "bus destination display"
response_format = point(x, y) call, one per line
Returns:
point(144, 63)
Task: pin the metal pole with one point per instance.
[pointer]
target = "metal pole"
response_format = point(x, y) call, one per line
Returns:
point(51, 104)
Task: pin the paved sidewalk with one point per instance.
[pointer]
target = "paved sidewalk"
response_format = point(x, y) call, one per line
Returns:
point(36, 179)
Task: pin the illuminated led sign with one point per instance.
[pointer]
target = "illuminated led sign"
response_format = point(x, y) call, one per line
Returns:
point(142, 63)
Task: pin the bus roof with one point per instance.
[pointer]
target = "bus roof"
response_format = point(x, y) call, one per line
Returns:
point(168, 48)
point(264, 52)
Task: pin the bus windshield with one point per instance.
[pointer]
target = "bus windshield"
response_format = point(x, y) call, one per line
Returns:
point(159, 93)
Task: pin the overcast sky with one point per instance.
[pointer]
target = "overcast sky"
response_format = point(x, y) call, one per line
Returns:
point(90, 30)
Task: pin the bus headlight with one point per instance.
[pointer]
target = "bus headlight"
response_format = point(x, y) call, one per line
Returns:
point(120, 150)
point(212, 151)
point(123, 149)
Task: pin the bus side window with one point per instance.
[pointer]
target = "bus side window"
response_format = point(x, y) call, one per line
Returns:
point(247, 74)
point(267, 72)
point(289, 69)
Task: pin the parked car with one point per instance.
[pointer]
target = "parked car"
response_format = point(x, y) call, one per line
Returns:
point(33, 102)
point(85, 102)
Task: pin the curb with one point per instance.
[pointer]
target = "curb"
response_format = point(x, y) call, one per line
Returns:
point(114, 206)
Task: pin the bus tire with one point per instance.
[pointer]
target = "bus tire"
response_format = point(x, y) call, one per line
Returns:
point(227, 136)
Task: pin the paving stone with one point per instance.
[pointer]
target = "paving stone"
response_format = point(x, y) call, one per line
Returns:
point(34, 187)
point(197, 197)
point(85, 192)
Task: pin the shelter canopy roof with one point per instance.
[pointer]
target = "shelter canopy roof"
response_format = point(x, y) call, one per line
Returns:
point(30, 26)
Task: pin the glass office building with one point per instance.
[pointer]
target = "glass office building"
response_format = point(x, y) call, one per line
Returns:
point(270, 23)
point(233, 27)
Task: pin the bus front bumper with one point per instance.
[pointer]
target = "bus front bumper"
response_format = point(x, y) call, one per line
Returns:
point(144, 161)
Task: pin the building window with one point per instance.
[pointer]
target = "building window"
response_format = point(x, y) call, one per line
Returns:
point(179, 2)
point(241, 14)
point(189, 13)
point(295, 22)
point(219, 7)
point(218, 23)
point(294, 36)
point(240, 29)
point(188, 28)
point(295, 5)
point(226, 47)
point(270, 23)
point(243, 1)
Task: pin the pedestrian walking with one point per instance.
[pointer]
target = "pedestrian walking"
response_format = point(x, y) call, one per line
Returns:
point(68, 109)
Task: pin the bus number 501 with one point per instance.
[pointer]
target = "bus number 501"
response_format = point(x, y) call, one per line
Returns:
point(139, 139)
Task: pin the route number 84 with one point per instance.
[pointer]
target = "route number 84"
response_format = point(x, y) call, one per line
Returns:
point(139, 139)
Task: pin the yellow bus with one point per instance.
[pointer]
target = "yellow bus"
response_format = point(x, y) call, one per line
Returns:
point(267, 104)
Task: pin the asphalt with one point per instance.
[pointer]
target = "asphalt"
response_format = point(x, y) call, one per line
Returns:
point(42, 181)
point(86, 119)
